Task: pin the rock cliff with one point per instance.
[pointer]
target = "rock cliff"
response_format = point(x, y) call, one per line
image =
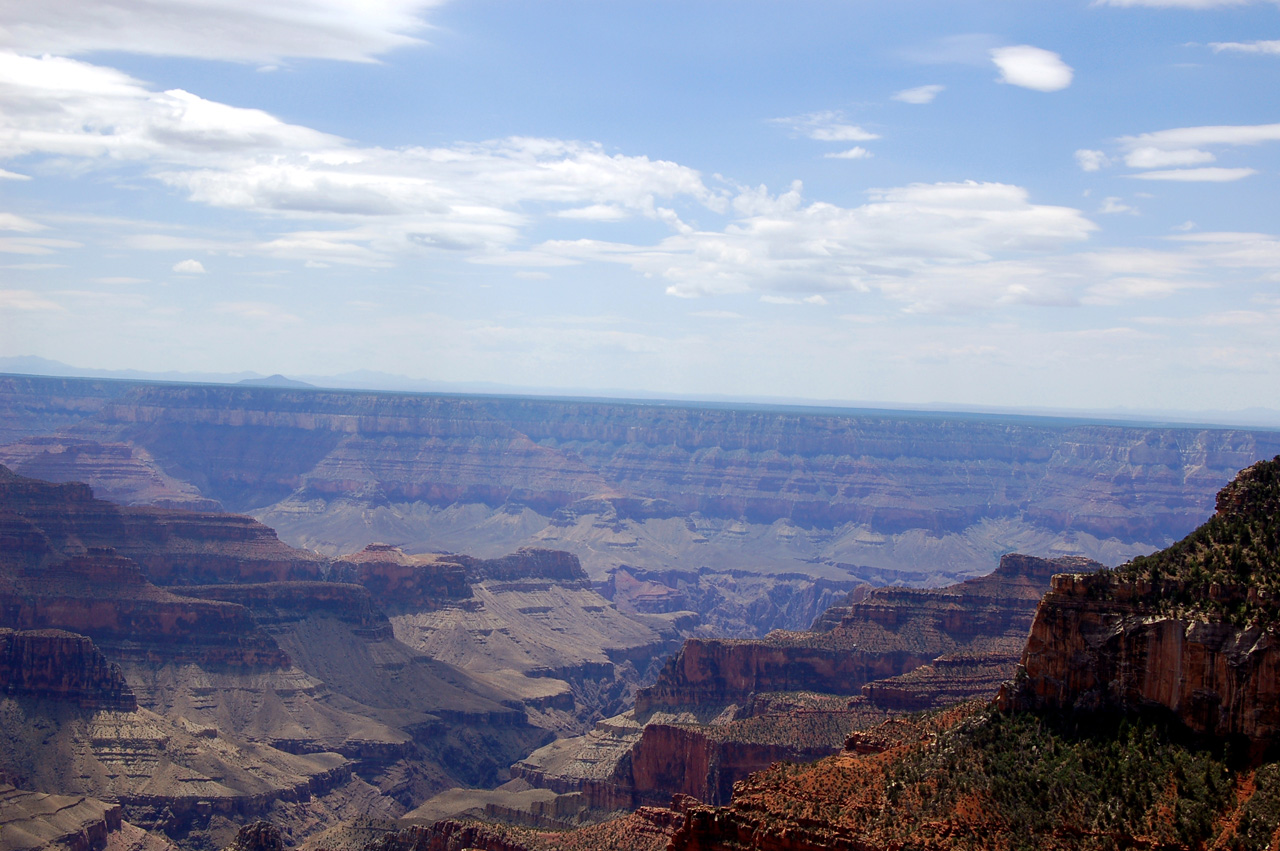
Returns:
point(1152, 674)
point(1192, 629)
point(34, 821)
point(887, 633)
point(652, 486)
point(63, 666)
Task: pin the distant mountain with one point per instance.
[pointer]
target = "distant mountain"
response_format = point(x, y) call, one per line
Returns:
point(365, 379)
point(276, 380)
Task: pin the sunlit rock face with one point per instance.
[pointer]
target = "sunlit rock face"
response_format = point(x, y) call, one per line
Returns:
point(1191, 629)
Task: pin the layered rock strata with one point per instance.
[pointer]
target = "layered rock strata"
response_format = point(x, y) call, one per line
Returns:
point(649, 485)
point(888, 633)
point(63, 666)
point(1194, 630)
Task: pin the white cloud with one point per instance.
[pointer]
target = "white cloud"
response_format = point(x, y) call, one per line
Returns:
point(1032, 68)
point(1198, 175)
point(855, 153)
point(919, 94)
point(1091, 160)
point(1149, 157)
point(189, 267)
point(827, 126)
point(1171, 151)
point(1115, 205)
point(34, 245)
point(14, 222)
point(13, 175)
point(595, 213)
point(228, 30)
point(468, 197)
point(26, 300)
point(921, 244)
point(1269, 47)
point(1183, 138)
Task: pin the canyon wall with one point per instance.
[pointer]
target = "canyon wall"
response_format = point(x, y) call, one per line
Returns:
point(828, 492)
point(63, 666)
point(1096, 643)
point(888, 632)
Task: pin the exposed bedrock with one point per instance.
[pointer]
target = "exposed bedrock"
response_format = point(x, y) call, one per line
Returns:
point(394, 578)
point(1191, 629)
point(887, 633)
point(1097, 643)
point(106, 597)
point(61, 665)
point(254, 447)
point(35, 821)
point(677, 759)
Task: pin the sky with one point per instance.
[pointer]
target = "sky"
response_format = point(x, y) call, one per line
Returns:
point(1019, 203)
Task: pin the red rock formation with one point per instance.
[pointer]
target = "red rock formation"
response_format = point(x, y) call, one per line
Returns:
point(39, 520)
point(123, 474)
point(682, 760)
point(62, 666)
point(943, 682)
point(107, 598)
point(890, 632)
point(400, 580)
point(275, 603)
point(1096, 642)
point(1192, 629)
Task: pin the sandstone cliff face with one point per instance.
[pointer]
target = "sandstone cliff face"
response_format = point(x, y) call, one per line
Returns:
point(400, 580)
point(62, 666)
point(1096, 643)
point(681, 760)
point(106, 597)
point(42, 520)
point(123, 474)
point(720, 672)
point(1192, 629)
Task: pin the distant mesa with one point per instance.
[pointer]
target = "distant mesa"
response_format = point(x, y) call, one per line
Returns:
point(276, 380)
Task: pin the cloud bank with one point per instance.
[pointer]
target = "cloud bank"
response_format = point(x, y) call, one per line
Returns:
point(228, 30)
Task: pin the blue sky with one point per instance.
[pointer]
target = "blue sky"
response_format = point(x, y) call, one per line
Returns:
point(1025, 204)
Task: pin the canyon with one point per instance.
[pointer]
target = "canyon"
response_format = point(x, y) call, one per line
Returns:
point(1121, 725)
point(685, 498)
point(196, 671)
point(616, 605)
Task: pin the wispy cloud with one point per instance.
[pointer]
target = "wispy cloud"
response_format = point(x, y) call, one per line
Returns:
point(227, 30)
point(468, 197)
point(26, 300)
point(919, 94)
point(1198, 175)
point(855, 153)
point(1091, 160)
point(827, 126)
point(1267, 47)
point(1181, 153)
